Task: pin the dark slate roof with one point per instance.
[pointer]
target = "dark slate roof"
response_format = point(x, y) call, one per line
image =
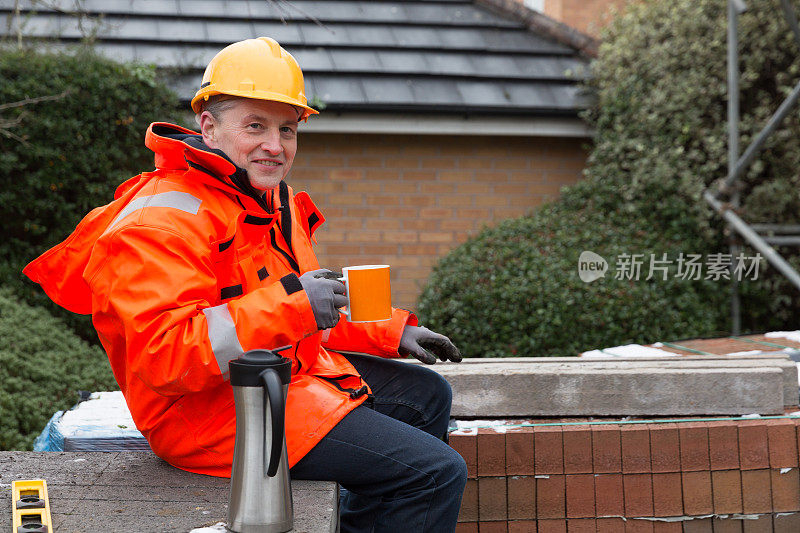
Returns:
point(443, 56)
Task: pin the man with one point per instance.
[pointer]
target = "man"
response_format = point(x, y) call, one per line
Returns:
point(209, 256)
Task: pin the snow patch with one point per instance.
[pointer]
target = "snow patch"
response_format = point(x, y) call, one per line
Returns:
point(628, 350)
point(791, 335)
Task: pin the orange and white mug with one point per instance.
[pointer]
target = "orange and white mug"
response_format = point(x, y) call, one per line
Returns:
point(369, 293)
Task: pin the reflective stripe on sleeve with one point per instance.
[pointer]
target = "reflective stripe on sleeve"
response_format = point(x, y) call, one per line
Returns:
point(222, 335)
point(182, 201)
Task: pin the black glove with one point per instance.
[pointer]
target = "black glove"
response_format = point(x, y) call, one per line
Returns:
point(417, 341)
point(325, 295)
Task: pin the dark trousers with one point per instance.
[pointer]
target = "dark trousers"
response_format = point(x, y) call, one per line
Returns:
point(388, 454)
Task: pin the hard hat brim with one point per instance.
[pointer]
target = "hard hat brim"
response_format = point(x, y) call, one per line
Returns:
point(208, 92)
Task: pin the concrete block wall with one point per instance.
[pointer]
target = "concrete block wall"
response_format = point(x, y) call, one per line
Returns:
point(685, 476)
point(407, 200)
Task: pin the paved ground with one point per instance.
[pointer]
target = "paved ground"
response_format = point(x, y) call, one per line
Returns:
point(136, 492)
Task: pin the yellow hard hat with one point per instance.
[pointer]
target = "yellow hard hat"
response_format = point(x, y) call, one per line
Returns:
point(255, 68)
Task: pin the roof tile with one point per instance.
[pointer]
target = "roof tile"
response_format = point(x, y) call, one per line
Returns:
point(448, 54)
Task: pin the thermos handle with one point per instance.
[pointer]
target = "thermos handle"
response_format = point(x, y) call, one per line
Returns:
point(273, 390)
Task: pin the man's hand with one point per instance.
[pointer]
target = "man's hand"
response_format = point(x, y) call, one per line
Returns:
point(417, 341)
point(325, 295)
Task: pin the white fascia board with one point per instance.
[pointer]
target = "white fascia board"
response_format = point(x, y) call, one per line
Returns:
point(419, 124)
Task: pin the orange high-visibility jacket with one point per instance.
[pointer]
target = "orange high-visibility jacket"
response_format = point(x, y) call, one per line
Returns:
point(183, 272)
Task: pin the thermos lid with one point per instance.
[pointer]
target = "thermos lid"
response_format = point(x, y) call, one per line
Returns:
point(246, 370)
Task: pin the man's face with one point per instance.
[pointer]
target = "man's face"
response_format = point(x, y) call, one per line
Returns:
point(259, 136)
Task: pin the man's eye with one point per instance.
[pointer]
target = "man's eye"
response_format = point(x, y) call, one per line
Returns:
point(287, 129)
point(254, 125)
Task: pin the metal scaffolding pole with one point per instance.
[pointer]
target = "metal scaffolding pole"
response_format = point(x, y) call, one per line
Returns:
point(735, 8)
point(753, 238)
point(738, 164)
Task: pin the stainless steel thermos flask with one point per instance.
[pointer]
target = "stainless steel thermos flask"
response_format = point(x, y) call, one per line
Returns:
point(261, 495)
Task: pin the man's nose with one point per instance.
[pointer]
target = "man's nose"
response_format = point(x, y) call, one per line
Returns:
point(271, 142)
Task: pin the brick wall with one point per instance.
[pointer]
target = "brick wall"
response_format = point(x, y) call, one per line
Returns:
point(588, 477)
point(407, 200)
point(587, 16)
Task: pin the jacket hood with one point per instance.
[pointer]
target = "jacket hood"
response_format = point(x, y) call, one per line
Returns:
point(60, 270)
point(178, 148)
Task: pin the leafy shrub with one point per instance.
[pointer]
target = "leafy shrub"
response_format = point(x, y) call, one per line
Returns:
point(42, 367)
point(661, 139)
point(66, 156)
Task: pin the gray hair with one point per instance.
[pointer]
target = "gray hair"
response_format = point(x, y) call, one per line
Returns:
point(220, 103)
point(216, 105)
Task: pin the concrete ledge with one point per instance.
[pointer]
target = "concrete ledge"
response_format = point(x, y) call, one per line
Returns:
point(791, 392)
point(137, 491)
point(497, 388)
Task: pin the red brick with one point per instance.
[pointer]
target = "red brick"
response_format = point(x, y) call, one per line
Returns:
point(723, 445)
point(697, 493)
point(610, 525)
point(756, 494)
point(492, 498)
point(467, 527)
point(667, 527)
point(782, 440)
point(664, 448)
point(797, 425)
point(467, 447)
point(726, 491)
point(577, 449)
point(608, 495)
point(550, 496)
point(522, 526)
point(491, 453)
point(753, 445)
point(581, 525)
point(606, 449)
point(521, 497)
point(699, 525)
point(693, 437)
point(469, 502)
point(638, 526)
point(548, 448)
point(519, 452)
point(580, 495)
point(726, 525)
point(786, 523)
point(785, 490)
point(638, 491)
point(667, 494)
point(762, 524)
point(635, 445)
point(552, 526)
point(493, 527)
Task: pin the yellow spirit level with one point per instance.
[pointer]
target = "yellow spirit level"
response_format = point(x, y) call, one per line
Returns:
point(30, 507)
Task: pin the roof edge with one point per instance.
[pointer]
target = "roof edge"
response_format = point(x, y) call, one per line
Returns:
point(446, 124)
point(541, 23)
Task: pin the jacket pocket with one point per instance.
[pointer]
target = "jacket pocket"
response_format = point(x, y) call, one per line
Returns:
point(239, 259)
point(214, 431)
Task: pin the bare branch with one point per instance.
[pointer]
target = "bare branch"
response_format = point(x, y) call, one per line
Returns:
point(309, 16)
point(28, 101)
point(7, 124)
point(275, 3)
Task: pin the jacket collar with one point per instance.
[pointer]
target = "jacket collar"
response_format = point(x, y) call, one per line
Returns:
point(178, 148)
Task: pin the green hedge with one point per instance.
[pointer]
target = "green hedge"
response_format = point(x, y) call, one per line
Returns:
point(43, 365)
point(660, 118)
point(68, 156)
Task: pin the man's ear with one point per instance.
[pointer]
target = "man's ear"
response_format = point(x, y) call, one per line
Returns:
point(208, 128)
